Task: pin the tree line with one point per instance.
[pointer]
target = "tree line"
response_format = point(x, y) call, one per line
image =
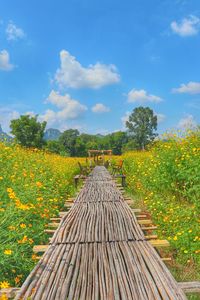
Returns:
point(141, 130)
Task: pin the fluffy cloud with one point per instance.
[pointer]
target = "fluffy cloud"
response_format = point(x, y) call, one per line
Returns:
point(187, 122)
point(6, 115)
point(69, 109)
point(72, 74)
point(189, 88)
point(100, 108)
point(187, 27)
point(124, 119)
point(5, 64)
point(142, 96)
point(13, 32)
point(160, 117)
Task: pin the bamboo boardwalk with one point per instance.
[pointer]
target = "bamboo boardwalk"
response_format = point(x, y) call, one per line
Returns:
point(100, 252)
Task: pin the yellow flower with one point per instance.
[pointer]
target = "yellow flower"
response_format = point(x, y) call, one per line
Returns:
point(175, 238)
point(22, 225)
point(11, 227)
point(38, 183)
point(34, 257)
point(4, 284)
point(18, 279)
point(3, 297)
point(7, 252)
point(190, 230)
point(23, 240)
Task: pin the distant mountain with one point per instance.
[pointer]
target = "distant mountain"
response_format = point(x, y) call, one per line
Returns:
point(52, 134)
point(4, 136)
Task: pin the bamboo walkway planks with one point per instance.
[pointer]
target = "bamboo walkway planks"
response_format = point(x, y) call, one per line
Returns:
point(100, 252)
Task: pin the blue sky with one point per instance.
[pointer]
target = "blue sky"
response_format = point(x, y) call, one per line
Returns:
point(88, 64)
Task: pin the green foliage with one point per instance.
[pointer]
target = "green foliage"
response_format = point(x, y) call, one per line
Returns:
point(141, 124)
point(53, 146)
point(28, 131)
point(33, 188)
point(129, 146)
point(68, 140)
point(78, 144)
point(116, 141)
point(167, 178)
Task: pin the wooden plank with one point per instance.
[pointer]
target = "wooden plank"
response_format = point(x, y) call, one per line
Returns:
point(165, 259)
point(142, 216)
point(159, 243)
point(54, 225)
point(63, 213)
point(147, 228)
point(136, 210)
point(40, 248)
point(9, 292)
point(68, 204)
point(55, 219)
point(50, 231)
point(144, 222)
point(101, 252)
point(70, 200)
point(151, 237)
point(129, 202)
point(190, 287)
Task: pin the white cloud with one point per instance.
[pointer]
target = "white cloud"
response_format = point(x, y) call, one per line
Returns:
point(160, 117)
point(141, 96)
point(124, 119)
point(5, 64)
point(187, 122)
point(187, 27)
point(100, 108)
point(6, 115)
point(189, 88)
point(69, 109)
point(72, 74)
point(13, 32)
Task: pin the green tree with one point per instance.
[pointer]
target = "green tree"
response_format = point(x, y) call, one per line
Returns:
point(141, 125)
point(53, 146)
point(68, 141)
point(80, 147)
point(129, 146)
point(28, 131)
point(117, 140)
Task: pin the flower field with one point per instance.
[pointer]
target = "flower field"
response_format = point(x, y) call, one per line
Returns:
point(33, 188)
point(166, 180)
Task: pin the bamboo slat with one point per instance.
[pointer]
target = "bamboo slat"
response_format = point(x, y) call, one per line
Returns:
point(99, 252)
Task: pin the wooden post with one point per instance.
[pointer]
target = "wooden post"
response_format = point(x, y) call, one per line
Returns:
point(76, 178)
point(123, 180)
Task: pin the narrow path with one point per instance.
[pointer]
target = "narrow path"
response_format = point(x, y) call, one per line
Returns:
point(99, 252)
